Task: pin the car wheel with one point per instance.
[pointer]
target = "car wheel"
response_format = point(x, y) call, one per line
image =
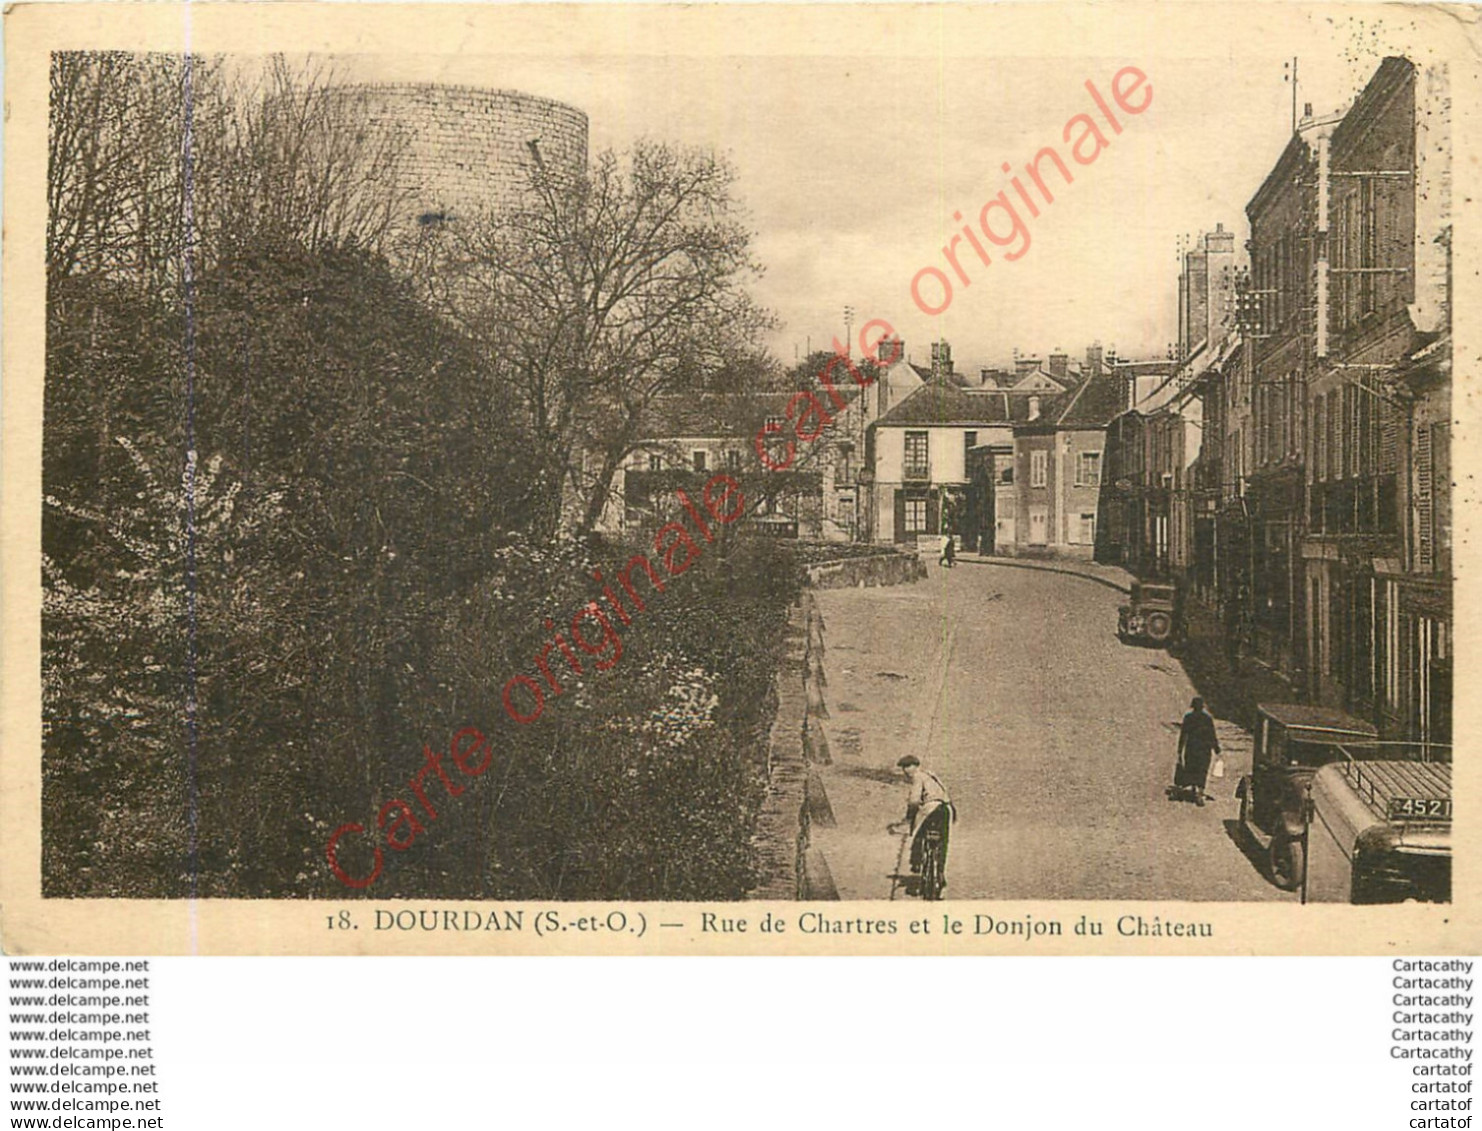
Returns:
point(1159, 625)
point(1288, 861)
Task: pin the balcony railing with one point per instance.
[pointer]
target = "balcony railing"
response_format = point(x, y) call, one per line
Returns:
point(916, 472)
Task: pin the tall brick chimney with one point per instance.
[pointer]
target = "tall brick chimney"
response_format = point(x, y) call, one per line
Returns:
point(1060, 366)
point(941, 359)
point(1094, 359)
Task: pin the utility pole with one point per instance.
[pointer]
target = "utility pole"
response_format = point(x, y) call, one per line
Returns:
point(1291, 77)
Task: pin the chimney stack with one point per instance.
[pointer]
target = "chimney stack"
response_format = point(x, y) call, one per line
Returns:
point(1060, 366)
point(1094, 360)
point(941, 359)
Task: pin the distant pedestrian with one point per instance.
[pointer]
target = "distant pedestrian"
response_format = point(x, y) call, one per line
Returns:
point(1232, 631)
point(1197, 743)
point(949, 552)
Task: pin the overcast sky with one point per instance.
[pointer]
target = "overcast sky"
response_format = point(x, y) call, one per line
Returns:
point(851, 173)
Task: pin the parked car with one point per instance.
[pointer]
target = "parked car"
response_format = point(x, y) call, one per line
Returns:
point(1292, 743)
point(1380, 828)
point(1150, 614)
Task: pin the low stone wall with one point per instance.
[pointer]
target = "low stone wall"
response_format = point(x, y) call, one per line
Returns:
point(789, 867)
point(888, 568)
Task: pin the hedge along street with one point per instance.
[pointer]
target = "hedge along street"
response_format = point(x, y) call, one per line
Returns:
point(401, 822)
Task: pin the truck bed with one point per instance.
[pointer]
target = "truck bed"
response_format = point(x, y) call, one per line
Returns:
point(1379, 784)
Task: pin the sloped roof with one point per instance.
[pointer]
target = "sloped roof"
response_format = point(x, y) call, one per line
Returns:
point(1040, 380)
point(941, 401)
point(1094, 404)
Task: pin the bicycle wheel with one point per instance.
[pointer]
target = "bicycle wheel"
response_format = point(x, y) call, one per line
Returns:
point(932, 880)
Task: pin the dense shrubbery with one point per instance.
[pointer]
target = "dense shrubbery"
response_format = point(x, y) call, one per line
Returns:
point(296, 527)
point(359, 591)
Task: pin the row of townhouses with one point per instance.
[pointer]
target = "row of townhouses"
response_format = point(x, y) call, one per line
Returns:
point(1009, 463)
point(1293, 473)
point(1288, 466)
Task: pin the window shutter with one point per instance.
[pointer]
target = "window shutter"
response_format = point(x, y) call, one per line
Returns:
point(1333, 455)
point(1389, 439)
point(1366, 435)
point(1318, 462)
point(900, 516)
point(1425, 542)
point(1441, 497)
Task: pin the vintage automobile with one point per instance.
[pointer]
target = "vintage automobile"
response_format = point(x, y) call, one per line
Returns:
point(1292, 742)
point(1379, 829)
point(1149, 615)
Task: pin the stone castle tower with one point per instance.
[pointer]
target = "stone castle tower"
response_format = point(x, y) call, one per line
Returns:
point(463, 150)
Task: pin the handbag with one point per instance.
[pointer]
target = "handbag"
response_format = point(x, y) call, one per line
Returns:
point(1217, 766)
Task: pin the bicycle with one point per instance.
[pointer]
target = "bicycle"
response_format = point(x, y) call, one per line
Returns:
point(933, 865)
point(929, 882)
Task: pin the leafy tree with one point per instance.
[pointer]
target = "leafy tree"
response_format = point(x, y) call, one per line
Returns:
point(602, 294)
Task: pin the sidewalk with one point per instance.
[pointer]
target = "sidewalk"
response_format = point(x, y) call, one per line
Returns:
point(1113, 577)
point(1231, 693)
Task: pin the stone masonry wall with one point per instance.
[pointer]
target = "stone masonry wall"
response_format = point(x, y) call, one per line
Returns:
point(465, 151)
point(788, 864)
point(879, 569)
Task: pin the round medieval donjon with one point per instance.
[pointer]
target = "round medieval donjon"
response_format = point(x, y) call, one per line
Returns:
point(465, 151)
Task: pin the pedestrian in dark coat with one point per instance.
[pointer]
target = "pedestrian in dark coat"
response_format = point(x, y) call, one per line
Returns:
point(1197, 743)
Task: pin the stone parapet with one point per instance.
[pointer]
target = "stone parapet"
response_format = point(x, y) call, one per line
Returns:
point(789, 865)
point(889, 568)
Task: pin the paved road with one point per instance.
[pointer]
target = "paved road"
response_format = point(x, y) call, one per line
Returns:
point(1055, 739)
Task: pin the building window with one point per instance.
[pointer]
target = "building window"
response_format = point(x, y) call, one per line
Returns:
point(915, 516)
point(1039, 523)
point(656, 463)
point(1038, 468)
point(775, 431)
point(1425, 538)
point(1368, 244)
point(969, 442)
point(1088, 529)
point(1334, 449)
point(699, 458)
point(1088, 469)
point(918, 455)
point(733, 460)
point(1319, 459)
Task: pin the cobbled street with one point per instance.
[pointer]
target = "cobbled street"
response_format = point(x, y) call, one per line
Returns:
point(1055, 740)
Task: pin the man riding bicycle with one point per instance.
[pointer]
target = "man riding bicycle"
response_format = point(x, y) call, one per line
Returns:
point(928, 810)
